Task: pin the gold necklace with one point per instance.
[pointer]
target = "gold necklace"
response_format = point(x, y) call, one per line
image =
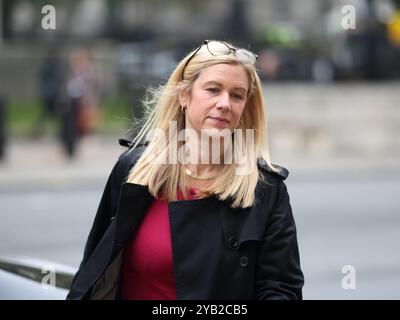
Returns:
point(192, 175)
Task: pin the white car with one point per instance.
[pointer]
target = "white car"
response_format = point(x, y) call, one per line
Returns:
point(23, 278)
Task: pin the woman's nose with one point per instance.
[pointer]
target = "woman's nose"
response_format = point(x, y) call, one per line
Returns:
point(224, 101)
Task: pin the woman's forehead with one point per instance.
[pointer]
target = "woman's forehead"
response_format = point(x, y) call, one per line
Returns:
point(225, 74)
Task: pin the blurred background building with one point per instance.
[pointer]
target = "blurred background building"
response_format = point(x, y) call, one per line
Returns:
point(305, 40)
point(332, 98)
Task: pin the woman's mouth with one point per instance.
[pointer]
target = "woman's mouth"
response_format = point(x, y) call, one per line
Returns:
point(221, 122)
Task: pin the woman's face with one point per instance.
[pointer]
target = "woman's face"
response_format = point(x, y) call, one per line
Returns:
point(217, 99)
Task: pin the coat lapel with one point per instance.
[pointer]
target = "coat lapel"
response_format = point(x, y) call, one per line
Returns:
point(133, 204)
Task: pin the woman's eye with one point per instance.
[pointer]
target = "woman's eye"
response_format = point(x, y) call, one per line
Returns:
point(214, 90)
point(238, 97)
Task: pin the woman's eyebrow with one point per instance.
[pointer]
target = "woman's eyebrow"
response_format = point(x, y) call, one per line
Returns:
point(220, 84)
point(212, 82)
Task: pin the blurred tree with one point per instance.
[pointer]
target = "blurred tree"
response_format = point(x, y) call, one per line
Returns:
point(237, 25)
point(2, 126)
point(112, 25)
point(5, 19)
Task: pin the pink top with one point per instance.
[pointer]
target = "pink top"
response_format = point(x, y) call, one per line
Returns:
point(148, 268)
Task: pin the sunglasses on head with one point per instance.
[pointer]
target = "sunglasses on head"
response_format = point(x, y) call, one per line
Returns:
point(217, 48)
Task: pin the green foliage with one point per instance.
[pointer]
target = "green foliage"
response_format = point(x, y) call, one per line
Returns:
point(22, 114)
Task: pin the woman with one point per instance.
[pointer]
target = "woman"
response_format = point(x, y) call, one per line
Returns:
point(174, 225)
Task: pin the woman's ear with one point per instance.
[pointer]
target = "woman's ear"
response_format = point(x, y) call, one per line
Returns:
point(183, 98)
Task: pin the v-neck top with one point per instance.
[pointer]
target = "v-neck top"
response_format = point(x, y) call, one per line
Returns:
point(147, 268)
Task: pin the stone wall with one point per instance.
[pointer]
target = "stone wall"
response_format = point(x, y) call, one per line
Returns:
point(360, 119)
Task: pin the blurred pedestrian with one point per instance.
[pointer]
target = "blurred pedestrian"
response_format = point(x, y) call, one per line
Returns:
point(84, 91)
point(269, 64)
point(51, 81)
point(196, 230)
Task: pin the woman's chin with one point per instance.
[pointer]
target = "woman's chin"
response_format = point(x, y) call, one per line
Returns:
point(215, 131)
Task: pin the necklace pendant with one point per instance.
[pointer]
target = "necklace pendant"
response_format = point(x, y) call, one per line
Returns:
point(192, 175)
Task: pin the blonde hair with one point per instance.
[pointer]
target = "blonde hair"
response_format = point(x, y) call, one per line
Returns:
point(162, 106)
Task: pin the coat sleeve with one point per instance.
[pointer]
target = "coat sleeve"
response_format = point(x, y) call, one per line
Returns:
point(278, 273)
point(106, 209)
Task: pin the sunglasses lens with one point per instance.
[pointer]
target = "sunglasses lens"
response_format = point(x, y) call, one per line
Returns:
point(246, 56)
point(217, 48)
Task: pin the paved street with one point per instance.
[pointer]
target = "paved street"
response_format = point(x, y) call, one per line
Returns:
point(349, 222)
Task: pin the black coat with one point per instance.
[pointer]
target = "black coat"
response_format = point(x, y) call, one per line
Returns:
point(247, 253)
